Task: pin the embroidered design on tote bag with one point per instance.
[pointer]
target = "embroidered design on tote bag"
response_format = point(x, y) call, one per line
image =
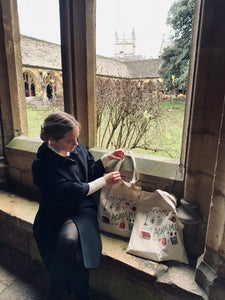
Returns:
point(118, 204)
point(157, 232)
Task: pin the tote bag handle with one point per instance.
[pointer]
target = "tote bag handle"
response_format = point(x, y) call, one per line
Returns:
point(135, 173)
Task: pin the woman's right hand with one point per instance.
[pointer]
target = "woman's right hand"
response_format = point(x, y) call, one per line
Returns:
point(112, 177)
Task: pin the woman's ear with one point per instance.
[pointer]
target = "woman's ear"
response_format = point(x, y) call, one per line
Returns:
point(52, 141)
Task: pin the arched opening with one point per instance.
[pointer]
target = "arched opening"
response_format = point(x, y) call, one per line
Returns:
point(26, 88)
point(32, 89)
point(49, 91)
point(29, 85)
point(53, 84)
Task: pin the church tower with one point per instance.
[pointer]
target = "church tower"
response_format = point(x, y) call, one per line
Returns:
point(125, 47)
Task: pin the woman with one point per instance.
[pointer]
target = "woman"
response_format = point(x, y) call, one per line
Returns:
point(65, 227)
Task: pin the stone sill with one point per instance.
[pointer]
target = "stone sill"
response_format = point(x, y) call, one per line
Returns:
point(17, 214)
point(146, 164)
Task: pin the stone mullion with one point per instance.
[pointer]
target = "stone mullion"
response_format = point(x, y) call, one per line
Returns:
point(210, 273)
point(216, 226)
point(208, 93)
point(29, 84)
point(78, 61)
point(207, 100)
point(12, 70)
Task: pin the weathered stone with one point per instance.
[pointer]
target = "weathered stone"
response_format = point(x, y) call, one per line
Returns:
point(123, 275)
point(179, 283)
point(217, 290)
point(204, 274)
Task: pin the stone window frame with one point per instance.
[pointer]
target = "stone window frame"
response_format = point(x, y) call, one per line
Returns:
point(79, 81)
point(204, 178)
point(79, 75)
point(79, 57)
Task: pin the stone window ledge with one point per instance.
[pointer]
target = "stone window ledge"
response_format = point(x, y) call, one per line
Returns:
point(160, 167)
point(17, 214)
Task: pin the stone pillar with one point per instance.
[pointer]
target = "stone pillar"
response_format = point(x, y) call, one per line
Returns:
point(210, 273)
point(206, 111)
point(79, 64)
point(13, 104)
point(13, 119)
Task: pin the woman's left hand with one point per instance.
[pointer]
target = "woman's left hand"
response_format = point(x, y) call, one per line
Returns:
point(112, 177)
point(116, 154)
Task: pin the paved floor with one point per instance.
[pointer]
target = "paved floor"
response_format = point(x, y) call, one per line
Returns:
point(21, 278)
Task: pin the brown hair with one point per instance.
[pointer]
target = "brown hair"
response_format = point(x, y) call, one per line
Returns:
point(56, 125)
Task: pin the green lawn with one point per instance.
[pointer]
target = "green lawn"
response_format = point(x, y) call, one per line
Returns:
point(166, 140)
point(34, 119)
point(168, 136)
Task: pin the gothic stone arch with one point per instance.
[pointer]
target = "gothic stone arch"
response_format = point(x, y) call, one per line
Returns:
point(30, 83)
point(52, 83)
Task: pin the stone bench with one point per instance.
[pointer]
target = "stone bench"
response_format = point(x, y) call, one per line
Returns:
point(121, 276)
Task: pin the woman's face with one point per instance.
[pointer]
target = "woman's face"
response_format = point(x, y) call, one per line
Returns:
point(67, 143)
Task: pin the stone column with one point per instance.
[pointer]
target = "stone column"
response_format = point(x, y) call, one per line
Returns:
point(206, 110)
point(79, 64)
point(13, 104)
point(210, 273)
point(13, 120)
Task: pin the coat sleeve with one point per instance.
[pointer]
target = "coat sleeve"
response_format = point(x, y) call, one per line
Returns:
point(57, 187)
point(95, 168)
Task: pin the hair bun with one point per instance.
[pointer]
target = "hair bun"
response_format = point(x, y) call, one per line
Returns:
point(42, 134)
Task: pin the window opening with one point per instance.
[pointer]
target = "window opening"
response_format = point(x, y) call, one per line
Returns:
point(41, 59)
point(49, 91)
point(142, 76)
point(29, 85)
point(32, 89)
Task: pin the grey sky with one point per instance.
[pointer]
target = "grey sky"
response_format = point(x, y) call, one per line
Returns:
point(40, 19)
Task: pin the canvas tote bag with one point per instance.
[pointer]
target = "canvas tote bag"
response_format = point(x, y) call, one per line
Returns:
point(157, 232)
point(118, 204)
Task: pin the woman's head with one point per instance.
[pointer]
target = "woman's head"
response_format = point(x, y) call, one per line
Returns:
point(56, 125)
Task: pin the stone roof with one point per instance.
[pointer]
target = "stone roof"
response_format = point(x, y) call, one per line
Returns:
point(38, 53)
point(43, 54)
point(111, 67)
point(144, 68)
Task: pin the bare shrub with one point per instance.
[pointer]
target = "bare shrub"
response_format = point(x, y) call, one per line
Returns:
point(126, 109)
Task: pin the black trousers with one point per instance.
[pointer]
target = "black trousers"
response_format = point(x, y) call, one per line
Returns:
point(67, 270)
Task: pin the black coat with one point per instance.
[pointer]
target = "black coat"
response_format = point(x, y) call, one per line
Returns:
point(63, 184)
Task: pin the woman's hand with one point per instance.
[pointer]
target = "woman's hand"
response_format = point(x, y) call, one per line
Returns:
point(117, 154)
point(112, 178)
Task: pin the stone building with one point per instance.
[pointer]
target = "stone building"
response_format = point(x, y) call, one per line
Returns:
point(124, 48)
point(197, 179)
point(42, 68)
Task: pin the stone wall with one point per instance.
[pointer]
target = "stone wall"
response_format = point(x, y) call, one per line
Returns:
point(160, 173)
